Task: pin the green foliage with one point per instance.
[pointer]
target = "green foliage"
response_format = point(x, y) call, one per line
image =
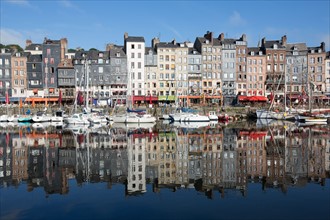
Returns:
point(12, 46)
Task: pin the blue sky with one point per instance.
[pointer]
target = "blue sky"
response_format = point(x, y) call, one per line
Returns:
point(93, 24)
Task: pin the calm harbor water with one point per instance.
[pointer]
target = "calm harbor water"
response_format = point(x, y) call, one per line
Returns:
point(234, 171)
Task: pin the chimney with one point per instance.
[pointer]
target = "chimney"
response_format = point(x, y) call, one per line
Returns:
point(125, 35)
point(263, 42)
point(64, 47)
point(323, 46)
point(221, 37)
point(154, 42)
point(243, 37)
point(283, 40)
point(28, 43)
point(209, 36)
point(174, 42)
point(109, 47)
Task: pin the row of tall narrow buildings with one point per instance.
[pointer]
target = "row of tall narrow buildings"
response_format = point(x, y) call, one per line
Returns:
point(213, 69)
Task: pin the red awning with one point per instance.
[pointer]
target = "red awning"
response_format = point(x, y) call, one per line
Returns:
point(253, 98)
point(242, 98)
point(144, 98)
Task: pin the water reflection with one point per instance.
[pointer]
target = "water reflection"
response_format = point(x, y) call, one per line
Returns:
point(209, 158)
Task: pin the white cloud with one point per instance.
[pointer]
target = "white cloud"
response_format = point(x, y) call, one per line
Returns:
point(68, 4)
point(19, 2)
point(236, 19)
point(9, 36)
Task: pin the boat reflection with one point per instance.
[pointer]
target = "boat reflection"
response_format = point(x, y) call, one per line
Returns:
point(207, 158)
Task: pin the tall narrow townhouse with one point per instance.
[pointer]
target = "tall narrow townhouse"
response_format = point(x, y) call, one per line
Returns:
point(53, 52)
point(316, 72)
point(211, 51)
point(5, 74)
point(135, 50)
point(98, 84)
point(275, 51)
point(296, 72)
point(241, 63)
point(118, 75)
point(34, 75)
point(80, 60)
point(194, 76)
point(33, 69)
point(19, 75)
point(66, 81)
point(93, 76)
point(168, 73)
point(228, 69)
point(180, 68)
point(151, 71)
point(256, 72)
point(327, 74)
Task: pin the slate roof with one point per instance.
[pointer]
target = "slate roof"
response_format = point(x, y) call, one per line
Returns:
point(116, 49)
point(33, 47)
point(269, 44)
point(147, 49)
point(193, 51)
point(301, 48)
point(91, 55)
point(202, 40)
point(135, 39)
point(166, 45)
point(255, 50)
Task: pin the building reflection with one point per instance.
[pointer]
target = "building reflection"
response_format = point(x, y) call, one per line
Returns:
point(208, 159)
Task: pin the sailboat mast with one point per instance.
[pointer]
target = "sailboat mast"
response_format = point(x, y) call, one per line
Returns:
point(87, 83)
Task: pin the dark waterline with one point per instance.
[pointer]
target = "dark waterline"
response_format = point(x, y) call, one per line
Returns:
point(96, 201)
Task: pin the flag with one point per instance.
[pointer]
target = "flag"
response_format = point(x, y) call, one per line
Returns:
point(7, 97)
point(150, 99)
point(60, 97)
point(20, 103)
point(271, 97)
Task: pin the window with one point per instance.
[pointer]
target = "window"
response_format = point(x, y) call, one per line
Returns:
point(139, 46)
point(139, 75)
point(132, 55)
point(139, 65)
point(139, 55)
point(100, 69)
point(34, 66)
point(132, 46)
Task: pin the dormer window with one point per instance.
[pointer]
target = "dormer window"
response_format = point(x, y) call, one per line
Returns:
point(252, 53)
point(260, 52)
point(275, 46)
point(117, 54)
point(207, 41)
point(100, 54)
point(320, 51)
